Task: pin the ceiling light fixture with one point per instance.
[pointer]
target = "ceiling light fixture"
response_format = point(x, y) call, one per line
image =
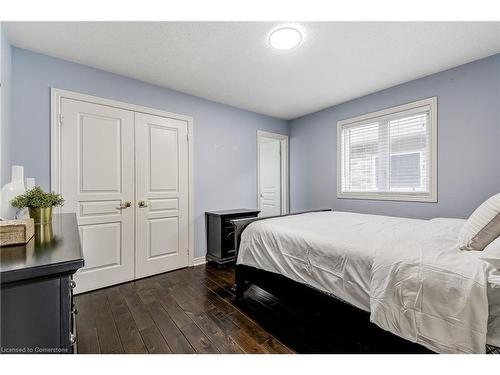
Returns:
point(285, 38)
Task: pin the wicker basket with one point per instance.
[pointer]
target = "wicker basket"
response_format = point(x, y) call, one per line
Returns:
point(15, 232)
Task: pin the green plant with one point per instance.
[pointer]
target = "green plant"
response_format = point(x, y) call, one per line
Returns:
point(37, 198)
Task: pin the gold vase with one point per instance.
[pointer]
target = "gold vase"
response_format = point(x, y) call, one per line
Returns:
point(44, 234)
point(41, 215)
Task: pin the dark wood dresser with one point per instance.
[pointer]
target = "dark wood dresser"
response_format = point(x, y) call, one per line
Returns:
point(220, 234)
point(37, 290)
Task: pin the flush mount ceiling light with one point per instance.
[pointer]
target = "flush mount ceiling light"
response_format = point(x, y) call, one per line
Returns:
point(285, 38)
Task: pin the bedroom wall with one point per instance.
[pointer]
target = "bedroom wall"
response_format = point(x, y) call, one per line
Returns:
point(5, 126)
point(224, 137)
point(468, 144)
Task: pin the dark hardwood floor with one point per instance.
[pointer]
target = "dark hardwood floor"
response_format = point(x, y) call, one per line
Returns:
point(193, 311)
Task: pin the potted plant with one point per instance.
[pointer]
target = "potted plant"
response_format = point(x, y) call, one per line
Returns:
point(39, 204)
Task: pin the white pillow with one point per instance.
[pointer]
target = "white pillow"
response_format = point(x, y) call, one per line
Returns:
point(491, 254)
point(482, 227)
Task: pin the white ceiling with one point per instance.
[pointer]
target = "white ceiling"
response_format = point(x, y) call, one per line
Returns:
point(232, 63)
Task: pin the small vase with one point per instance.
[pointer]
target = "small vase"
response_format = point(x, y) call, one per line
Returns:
point(30, 183)
point(12, 190)
point(41, 215)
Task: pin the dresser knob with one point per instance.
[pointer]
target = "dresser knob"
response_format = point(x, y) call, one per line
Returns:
point(72, 284)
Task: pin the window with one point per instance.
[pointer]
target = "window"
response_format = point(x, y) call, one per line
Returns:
point(390, 154)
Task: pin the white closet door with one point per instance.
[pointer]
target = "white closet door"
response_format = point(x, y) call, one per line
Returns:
point(161, 161)
point(97, 157)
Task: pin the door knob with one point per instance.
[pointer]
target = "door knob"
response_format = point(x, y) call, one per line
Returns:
point(124, 205)
point(143, 204)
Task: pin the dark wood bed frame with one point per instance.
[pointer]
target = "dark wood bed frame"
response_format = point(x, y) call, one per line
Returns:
point(279, 285)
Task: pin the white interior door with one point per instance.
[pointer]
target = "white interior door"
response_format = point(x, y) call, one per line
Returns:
point(270, 164)
point(162, 186)
point(97, 166)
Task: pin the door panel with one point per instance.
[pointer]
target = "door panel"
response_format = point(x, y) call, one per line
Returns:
point(270, 176)
point(162, 183)
point(163, 204)
point(97, 135)
point(163, 236)
point(99, 236)
point(97, 163)
point(163, 152)
point(102, 208)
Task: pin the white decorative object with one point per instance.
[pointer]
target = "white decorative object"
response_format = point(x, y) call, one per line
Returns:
point(30, 183)
point(12, 190)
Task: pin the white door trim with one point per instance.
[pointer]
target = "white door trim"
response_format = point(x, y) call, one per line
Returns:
point(285, 181)
point(55, 143)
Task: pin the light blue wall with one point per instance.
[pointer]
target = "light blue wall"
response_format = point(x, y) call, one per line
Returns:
point(468, 144)
point(5, 126)
point(224, 137)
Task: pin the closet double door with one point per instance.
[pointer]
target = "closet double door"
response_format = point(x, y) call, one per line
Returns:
point(125, 174)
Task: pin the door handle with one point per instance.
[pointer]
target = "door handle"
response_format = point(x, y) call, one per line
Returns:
point(143, 204)
point(124, 205)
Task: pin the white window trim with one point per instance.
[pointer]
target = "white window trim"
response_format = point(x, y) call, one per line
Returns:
point(431, 196)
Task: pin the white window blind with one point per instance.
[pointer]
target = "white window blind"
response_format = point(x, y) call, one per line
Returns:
point(389, 154)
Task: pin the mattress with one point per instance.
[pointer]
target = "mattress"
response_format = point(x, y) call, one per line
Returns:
point(339, 253)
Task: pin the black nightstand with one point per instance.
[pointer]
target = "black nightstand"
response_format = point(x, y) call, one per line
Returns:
point(220, 234)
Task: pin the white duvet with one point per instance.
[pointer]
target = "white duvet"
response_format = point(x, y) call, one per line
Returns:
point(409, 274)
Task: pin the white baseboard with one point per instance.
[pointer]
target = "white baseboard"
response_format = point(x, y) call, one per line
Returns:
point(199, 261)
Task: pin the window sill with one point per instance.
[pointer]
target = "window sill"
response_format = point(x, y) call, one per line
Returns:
point(427, 198)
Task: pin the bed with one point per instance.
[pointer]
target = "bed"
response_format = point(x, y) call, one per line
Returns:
point(407, 273)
